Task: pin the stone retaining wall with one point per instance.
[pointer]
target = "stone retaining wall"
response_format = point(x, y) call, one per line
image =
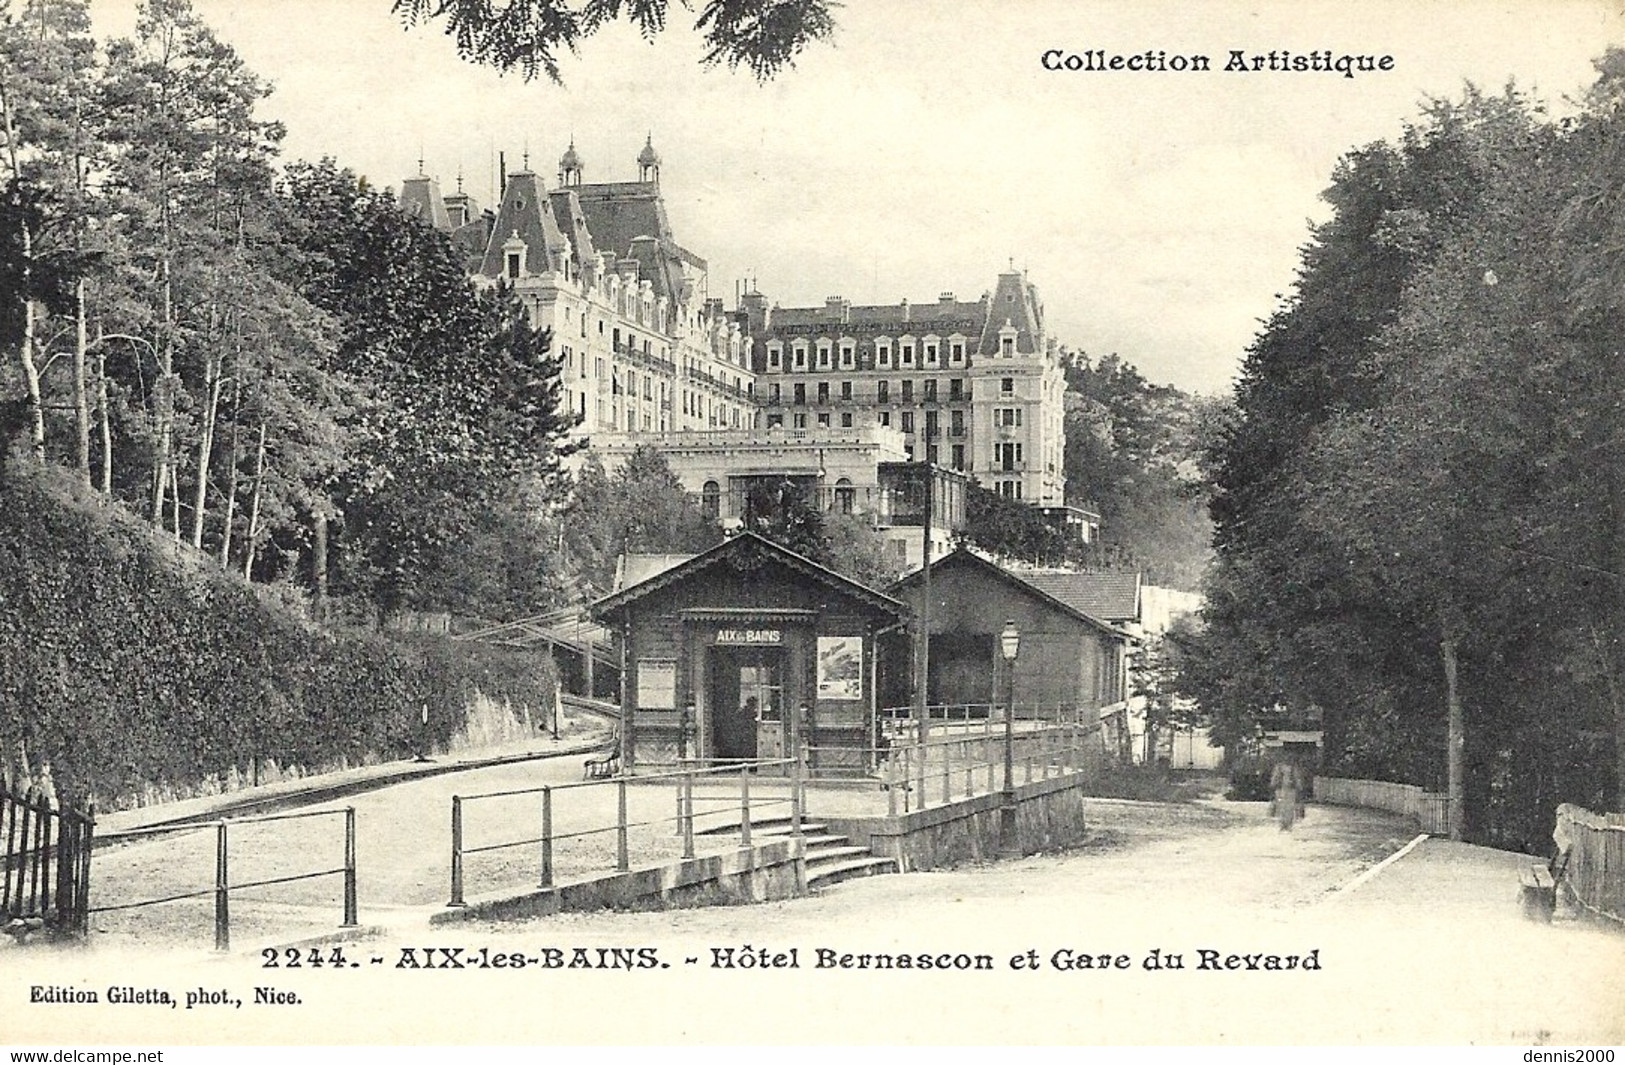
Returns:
point(763, 873)
point(1049, 815)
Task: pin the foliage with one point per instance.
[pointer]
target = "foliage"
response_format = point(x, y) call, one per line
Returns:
point(1134, 455)
point(641, 508)
point(1407, 496)
point(462, 394)
point(131, 661)
point(1012, 529)
point(765, 36)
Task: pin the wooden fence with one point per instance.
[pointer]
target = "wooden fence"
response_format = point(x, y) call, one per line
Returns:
point(1430, 809)
point(1596, 859)
point(47, 862)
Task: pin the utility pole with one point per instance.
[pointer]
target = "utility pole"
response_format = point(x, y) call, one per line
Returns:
point(922, 640)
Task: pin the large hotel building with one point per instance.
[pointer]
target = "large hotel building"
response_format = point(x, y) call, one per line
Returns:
point(839, 395)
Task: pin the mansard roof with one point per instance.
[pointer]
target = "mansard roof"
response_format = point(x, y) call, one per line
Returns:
point(420, 198)
point(524, 211)
point(1015, 302)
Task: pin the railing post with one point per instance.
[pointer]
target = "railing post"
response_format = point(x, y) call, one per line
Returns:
point(908, 778)
point(547, 837)
point(947, 773)
point(350, 918)
point(797, 796)
point(688, 819)
point(456, 851)
point(222, 914)
point(622, 861)
point(891, 786)
point(744, 807)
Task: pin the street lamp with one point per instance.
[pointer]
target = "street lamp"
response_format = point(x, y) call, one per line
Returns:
point(1009, 646)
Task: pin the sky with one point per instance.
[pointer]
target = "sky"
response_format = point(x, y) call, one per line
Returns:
point(925, 148)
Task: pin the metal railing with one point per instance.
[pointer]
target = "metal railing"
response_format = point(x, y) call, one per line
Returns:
point(1595, 870)
point(222, 889)
point(974, 756)
point(47, 861)
point(683, 780)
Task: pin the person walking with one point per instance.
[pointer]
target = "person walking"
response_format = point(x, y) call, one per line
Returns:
point(1285, 784)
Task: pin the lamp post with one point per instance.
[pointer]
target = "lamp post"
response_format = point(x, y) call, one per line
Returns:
point(1009, 647)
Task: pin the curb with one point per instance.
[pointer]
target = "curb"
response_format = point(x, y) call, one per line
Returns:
point(337, 790)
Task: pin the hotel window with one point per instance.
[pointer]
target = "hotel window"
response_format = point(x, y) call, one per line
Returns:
point(711, 499)
point(775, 421)
point(845, 495)
point(823, 419)
point(930, 423)
point(823, 392)
point(823, 354)
point(514, 259)
point(931, 454)
point(931, 390)
point(1007, 456)
point(773, 392)
point(846, 419)
point(801, 420)
point(801, 395)
point(883, 354)
point(930, 353)
point(908, 390)
point(956, 423)
point(775, 356)
point(956, 389)
point(956, 351)
point(908, 421)
point(958, 453)
point(882, 391)
point(885, 418)
point(908, 354)
point(801, 356)
point(846, 389)
point(1010, 489)
point(848, 356)
point(1007, 348)
point(1007, 417)
point(1007, 385)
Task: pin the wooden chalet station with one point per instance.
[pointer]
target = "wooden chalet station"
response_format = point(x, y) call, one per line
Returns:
point(748, 651)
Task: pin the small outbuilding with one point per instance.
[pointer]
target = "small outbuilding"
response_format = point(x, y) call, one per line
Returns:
point(1069, 661)
point(744, 651)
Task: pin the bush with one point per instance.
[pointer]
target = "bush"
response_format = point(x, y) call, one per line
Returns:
point(132, 662)
point(1250, 783)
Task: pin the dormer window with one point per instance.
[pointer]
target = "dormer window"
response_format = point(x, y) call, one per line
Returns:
point(823, 354)
point(513, 256)
point(800, 352)
point(848, 354)
point(907, 349)
point(931, 351)
point(883, 352)
point(775, 356)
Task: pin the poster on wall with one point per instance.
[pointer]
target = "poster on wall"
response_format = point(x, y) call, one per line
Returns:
point(840, 667)
point(657, 684)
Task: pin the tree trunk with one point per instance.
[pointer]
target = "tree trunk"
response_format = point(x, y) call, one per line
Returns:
point(106, 418)
point(205, 448)
point(254, 506)
point(36, 402)
point(163, 391)
point(81, 386)
point(231, 472)
point(1456, 732)
point(318, 564)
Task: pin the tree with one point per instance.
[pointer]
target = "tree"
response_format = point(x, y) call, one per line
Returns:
point(462, 394)
point(765, 36)
point(641, 508)
point(47, 69)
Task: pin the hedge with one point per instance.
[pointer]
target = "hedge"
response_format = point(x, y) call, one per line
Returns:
point(129, 662)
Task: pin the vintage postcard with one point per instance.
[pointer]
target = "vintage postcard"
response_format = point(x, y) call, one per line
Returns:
point(438, 740)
